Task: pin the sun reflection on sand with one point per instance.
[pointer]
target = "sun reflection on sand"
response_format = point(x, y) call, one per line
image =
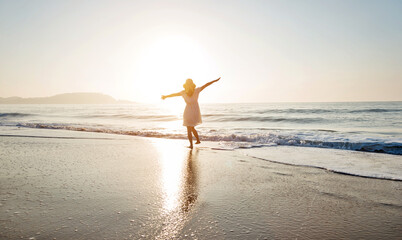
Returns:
point(172, 156)
point(178, 183)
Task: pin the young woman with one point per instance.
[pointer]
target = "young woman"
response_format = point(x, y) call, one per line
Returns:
point(192, 114)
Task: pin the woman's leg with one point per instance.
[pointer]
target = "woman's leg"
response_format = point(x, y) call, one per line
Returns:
point(190, 136)
point(196, 135)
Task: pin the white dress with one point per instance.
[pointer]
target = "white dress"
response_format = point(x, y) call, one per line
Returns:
point(192, 114)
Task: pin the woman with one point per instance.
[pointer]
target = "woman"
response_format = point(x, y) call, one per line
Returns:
point(192, 114)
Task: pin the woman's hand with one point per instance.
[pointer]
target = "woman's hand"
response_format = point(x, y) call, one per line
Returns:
point(163, 97)
point(217, 79)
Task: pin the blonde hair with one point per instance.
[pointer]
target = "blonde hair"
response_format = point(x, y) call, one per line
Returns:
point(189, 87)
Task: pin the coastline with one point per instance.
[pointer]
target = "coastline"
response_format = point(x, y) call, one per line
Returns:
point(80, 185)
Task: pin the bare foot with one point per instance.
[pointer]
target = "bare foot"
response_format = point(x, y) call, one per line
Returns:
point(198, 142)
point(191, 146)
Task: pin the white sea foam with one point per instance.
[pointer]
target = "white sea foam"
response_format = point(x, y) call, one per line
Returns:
point(372, 165)
point(241, 140)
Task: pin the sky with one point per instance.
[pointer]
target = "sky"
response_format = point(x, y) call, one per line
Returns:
point(264, 51)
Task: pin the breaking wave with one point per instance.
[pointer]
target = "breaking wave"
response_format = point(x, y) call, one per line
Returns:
point(238, 140)
point(10, 115)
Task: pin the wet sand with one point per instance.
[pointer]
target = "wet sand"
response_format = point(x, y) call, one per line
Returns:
point(75, 185)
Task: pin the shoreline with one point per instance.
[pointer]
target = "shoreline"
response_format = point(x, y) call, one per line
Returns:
point(347, 158)
point(94, 185)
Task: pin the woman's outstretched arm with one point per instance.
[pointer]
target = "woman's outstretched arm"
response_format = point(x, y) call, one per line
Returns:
point(207, 84)
point(171, 95)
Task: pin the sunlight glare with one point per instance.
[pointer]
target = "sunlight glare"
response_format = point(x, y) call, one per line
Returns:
point(168, 62)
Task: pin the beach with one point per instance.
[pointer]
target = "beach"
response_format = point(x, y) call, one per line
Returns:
point(294, 109)
point(58, 184)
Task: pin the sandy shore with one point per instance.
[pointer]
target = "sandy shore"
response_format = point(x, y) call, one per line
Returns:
point(75, 185)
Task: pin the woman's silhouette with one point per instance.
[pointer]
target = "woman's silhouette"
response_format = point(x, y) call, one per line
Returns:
point(192, 114)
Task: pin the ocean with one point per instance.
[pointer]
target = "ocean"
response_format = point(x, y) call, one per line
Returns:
point(358, 126)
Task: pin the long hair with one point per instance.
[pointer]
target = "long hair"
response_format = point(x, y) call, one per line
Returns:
point(189, 87)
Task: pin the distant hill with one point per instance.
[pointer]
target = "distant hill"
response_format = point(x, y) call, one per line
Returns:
point(66, 98)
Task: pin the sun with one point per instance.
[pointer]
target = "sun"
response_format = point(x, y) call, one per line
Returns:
point(168, 61)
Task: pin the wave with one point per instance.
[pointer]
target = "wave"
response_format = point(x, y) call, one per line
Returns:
point(295, 110)
point(131, 116)
point(270, 119)
point(321, 111)
point(7, 115)
point(238, 140)
point(375, 110)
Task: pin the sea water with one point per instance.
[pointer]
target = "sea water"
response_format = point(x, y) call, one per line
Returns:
point(358, 126)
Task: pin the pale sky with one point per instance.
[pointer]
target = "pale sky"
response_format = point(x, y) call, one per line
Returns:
point(265, 51)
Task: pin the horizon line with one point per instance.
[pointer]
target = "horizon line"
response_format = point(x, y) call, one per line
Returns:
point(223, 102)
